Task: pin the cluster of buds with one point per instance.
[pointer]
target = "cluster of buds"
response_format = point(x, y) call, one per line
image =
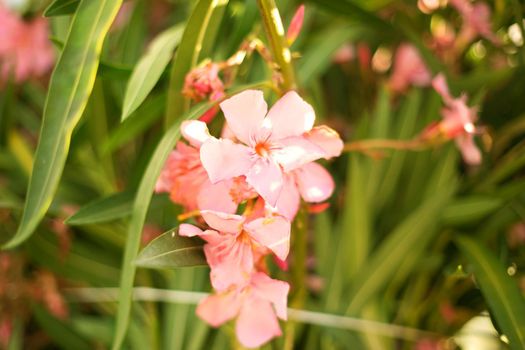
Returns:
point(266, 162)
point(25, 49)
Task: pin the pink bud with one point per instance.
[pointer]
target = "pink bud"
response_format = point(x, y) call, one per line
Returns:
point(295, 25)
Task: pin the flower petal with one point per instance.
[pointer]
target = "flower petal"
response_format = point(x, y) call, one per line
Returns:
point(273, 233)
point(257, 323)
point(290, 116)
point(315, 182)
point(439, 83)
point(326, 138)
point(219, 308)
point(272, 290)
point(223, 222)
point(295, 152)
point(244, 113)
point(224, 159)
point(267, 179)
point(188, 230)
point(195, 132)
point(231, 262)
point(216, 197)
point(289, 199)
point(470, 152)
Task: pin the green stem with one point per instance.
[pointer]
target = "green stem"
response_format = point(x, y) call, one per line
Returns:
point(276, 37)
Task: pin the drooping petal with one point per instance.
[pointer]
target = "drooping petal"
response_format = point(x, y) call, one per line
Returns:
point(326, 138)
point(257, 323)
point(223, 222)
point(267, 179)
point(470, 152)
point(295, 152)
point(244, 113)
point(231, 262)
point(290, 116)
point(195, 132)
point(439, 83)
point(289, 199)
point(272, 290)
point(188, 230)
point(216, 197)
point(220, 308)
point(315, 182)
point(224, 159)
point(273, 233)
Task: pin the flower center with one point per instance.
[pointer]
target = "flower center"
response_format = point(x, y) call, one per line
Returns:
point(262, 149)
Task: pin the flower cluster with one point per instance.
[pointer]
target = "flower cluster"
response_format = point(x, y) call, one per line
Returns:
point(25, 50)
point(267, 164)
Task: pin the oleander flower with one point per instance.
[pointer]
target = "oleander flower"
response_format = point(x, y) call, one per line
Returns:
point(409, 69)
point(458, 121)
point(476, 20)
point(25, 50)
point(272, 143)
point(255, 305)
point(234, 243)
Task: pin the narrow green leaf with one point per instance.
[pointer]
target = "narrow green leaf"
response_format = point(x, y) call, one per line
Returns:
point(470, 209)
point(149, 69)
point(105, 209)
point(61, 8)
point(414, 233)
point(170, 250)
point(69, 91)
point(186, 58)
point(139, 211)
point(501, 292)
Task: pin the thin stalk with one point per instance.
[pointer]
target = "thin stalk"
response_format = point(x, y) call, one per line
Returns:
point(278, 44)
point(365, 145)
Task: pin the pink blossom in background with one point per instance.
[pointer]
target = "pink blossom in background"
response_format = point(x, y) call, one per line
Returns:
point(409, 69)
point(25, 49)
point(233, 244)
point(272, 144)
point(458, 121)
point(476, 20)
point(256, 305)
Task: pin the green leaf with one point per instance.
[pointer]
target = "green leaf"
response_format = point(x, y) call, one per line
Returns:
point(69, 91)
point(470, 209)
point(149, 69)
point(170, 250)
point(186, 58)
point(139, 211)
point(61, 8)
point(501, 292)
point(105, 209)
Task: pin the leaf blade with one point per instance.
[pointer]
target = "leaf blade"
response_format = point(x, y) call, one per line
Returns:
point(113, 207)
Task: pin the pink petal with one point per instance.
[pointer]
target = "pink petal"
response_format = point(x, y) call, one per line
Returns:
point(273, 233)
point(257, 323)
point(267, 179)
point(295, 25)
point(224, 159)
point(326, 138)
point(216, 197)
point(188, 230)
point(222, 222)
point(196, 132)
point(244, 113)
point(470, 152)
point(314, 182)
point(439, 83)
point(290, 116)
point(231, 262)
point(220, 308)
point(272, 290)
point(295, 152)
point(289, 199)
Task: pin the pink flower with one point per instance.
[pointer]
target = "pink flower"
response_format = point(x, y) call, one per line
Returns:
point(234, 244)
point(295, 25)
point(184, 178)
point(203, 82)
point(273, 144)
point(476, 20)
point(256, 305)
point(458, 121)
point(409, 69)
point(25, 50)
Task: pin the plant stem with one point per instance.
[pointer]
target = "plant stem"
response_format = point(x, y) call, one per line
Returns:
point(276, 37)
point(413, 145)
